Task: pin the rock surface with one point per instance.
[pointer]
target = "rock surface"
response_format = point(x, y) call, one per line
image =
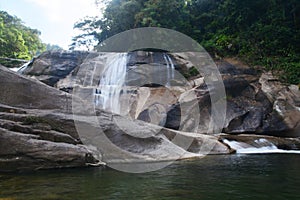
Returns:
point(51, 136)
point(20, 151)
point(24, 92)
point(42, 127)
point(252, 108)
point(52, 66)
point(28, 141)
point(256, 103)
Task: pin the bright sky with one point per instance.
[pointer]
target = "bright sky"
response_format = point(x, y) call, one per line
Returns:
point(54, 18)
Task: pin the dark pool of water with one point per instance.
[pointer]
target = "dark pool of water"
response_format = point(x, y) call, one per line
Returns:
point(273, 176)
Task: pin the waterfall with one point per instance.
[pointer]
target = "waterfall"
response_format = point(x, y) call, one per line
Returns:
point(111, 87)
point(259, 146)
point(22, 68)
point(107, 95)
point(170, 68)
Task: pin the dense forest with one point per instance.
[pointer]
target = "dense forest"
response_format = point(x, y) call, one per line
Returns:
point(19, 42)
point(260, 32)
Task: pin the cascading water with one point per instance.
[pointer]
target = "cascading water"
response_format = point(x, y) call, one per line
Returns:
point(170, 68)
point(112, 81)
point(260, 146)
point(107, 95)
point(22, 68)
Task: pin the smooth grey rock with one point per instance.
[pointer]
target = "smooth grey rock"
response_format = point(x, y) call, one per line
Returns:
point(51, 66)
point(27, 152)
point(43, 136)
point(20, 91)
point(257, 104)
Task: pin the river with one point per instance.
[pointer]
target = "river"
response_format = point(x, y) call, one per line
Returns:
point(268, 176)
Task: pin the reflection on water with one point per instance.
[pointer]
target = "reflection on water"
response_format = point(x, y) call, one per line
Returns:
point(273, 176)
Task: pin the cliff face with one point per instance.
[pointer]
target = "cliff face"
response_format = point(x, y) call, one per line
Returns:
point(39, 130)
point(44, 127)
point(256, 103)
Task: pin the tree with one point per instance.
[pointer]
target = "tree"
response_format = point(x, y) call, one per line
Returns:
point(119, 16)
point(18, 40)
point(264, 32)
point(51, 47)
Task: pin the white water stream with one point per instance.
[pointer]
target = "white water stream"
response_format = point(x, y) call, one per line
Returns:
point(170, 68)
point(261, 146)
point(20, 69)
point(112, 83)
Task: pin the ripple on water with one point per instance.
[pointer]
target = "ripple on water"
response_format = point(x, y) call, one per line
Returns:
point(273, 176)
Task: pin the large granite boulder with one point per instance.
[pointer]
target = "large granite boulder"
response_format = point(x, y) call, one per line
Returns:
point(19, 151)
point(29, 142)
point(42, 139)
point(260, 104)
point(52, 66)
point(285, 100)
point(24, 92)
point(257, 103)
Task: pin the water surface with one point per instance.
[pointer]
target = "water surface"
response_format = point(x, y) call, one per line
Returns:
point(271, 176)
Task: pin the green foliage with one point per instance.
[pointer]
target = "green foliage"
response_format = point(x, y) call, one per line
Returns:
point(192, 72)
point(51, 47)
point(262, 32)
point(18, 40)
